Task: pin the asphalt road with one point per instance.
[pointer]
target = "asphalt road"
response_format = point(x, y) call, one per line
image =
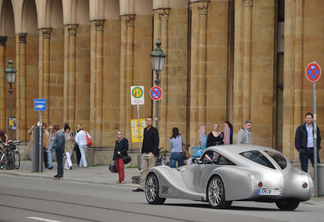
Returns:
point(45, 199)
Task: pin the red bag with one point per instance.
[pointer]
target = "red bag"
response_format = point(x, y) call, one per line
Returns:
point(89, 141)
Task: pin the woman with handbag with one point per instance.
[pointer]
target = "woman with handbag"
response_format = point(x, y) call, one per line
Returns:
point(176, 142)
point(81, 139)
point(120, 151)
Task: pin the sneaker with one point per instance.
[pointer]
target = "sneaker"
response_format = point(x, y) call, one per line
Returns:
point(118, 182)
point(70, 167)
point(138, 190)
point(66, 168)
point(122, 182)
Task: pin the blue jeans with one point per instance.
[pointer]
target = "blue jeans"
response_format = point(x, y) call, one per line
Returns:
point(309, 154)
point(174, 158)
point(50, 155)
point(83, 161)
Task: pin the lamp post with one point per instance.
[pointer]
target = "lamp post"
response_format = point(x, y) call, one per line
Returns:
point(157, 59)
point(10, 76)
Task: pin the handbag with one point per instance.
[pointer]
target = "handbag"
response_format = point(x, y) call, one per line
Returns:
point(185, 150)
point(89, 141)
point(127, 159)
point(112, 168)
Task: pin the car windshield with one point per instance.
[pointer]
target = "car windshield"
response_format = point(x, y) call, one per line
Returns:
point(279, 158)
point(258, 157)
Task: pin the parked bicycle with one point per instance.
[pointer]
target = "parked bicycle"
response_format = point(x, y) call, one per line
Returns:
point(10, 159)
point(161, 160)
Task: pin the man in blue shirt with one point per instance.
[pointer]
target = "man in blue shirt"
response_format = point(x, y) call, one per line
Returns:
point(304, 142)
point(59, 146)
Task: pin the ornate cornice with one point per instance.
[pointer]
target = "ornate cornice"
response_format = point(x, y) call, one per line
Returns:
point(22, 37)
point(203, 8)
point(164, 14)
point(99, 25)
point(248, 3)
point(47, 33)
point(3, 40)
point(72, 29)
point(130, 20)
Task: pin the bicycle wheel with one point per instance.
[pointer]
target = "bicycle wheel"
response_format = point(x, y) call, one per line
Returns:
point(30, 150)
point(3, 162)
point(17, 159)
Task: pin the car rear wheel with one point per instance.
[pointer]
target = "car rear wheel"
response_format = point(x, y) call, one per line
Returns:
point(152, 190)
point(216, 193)
point(288, 204)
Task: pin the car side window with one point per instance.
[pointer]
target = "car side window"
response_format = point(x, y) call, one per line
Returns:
point(258, 157)
point(224, 161)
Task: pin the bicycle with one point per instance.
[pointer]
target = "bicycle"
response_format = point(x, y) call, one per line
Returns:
point(10, 159)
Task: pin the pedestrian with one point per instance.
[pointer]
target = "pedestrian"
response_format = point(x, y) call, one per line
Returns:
point(50, 153)
point(45, 145)
point(150, 149)
point(76, 146)
point(66, 124)
point(215, 137)
point(228, 124)
point(176, 143)
point(3, 138)
point(304, 142)
point(58, 146)
point(81, 140)
point(244, 135)
point(69, 142)
point(121, 147)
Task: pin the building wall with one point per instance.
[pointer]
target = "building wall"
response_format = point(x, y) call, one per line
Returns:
point(221, 65)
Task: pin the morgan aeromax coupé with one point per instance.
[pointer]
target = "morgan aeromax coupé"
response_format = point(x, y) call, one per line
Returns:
point(232, 173)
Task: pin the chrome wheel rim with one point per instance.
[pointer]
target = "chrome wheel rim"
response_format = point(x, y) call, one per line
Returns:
point(151, 188)
point(215, 191)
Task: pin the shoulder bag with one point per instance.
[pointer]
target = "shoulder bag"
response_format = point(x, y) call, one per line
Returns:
point(126, 159)
point(89, 141)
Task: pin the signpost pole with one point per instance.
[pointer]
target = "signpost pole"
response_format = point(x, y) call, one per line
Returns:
point(315, 140)
point(40, 141)
point(139, 129)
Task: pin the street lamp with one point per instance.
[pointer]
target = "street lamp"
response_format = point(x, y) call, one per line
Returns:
point(157, 59)
point(10, 76)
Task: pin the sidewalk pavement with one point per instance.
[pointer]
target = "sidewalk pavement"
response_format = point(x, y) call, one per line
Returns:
point(96, 175)
point(91, 174)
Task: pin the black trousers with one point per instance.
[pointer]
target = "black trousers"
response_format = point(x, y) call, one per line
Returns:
point(59, 160)
point(78, 154)
point(45, 158)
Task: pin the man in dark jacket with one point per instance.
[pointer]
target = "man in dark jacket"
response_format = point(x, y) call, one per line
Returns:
point(59, 146)
point(304, 142)
point(121, 148)
point(150, 149)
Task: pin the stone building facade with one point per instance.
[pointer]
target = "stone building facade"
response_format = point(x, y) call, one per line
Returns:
point(226, 60)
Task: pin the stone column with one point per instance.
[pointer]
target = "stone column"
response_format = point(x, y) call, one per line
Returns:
point(71, 75)
point(294, 76)
point(3, 82)
point(46, 72)
point(22, 93)
point(99, 84)
point(163, 118)
point(66, 72)
point(203, 10)
point(199, 11)
point(93, 49)
point(247, 59)
point(126, 71)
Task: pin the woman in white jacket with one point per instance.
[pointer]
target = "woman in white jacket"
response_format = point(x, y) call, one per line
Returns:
point(81, 140)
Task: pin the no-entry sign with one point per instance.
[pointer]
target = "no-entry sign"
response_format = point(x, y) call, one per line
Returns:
point(313, 72)
point(156, 93)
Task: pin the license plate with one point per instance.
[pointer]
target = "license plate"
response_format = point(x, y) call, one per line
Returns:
point(270, 192)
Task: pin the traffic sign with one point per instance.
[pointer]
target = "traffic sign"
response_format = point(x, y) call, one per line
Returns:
point(40, 104)
point(313, 72)
point(137, 95)
point(156, 93)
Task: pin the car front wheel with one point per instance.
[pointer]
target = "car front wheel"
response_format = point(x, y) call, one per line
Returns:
point(216, 193)
point(152, 190)
point(288, 204)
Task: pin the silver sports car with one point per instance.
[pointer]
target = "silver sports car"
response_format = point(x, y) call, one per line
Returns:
point(232, 173)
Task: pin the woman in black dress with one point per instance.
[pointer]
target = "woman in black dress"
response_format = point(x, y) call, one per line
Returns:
point(215, 137)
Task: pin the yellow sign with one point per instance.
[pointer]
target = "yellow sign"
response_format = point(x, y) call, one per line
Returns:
point(135, 131)
point(11, 123)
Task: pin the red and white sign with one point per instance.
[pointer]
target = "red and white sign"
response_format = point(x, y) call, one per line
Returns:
point(313, 72)
point(156, 93)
